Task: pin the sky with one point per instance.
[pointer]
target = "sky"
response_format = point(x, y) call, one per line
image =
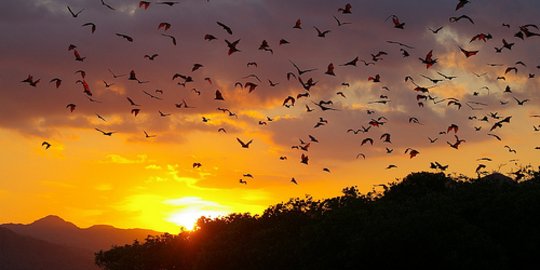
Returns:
point(143, 174)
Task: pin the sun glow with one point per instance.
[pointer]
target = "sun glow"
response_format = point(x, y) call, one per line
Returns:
point(192, 209)
point(187, 218)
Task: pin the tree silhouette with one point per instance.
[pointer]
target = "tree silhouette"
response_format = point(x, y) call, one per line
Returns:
point(427, 219)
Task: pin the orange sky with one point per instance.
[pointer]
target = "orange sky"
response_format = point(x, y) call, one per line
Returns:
point(128, 180)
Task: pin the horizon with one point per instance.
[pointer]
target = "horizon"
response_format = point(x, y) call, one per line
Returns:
point(155, 141)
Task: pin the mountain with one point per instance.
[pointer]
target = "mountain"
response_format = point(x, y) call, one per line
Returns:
point(54, 229)
point(18, 252)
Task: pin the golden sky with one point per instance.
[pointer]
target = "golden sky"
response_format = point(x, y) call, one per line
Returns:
point(131, 180)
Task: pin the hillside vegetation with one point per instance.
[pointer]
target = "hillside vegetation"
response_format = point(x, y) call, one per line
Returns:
point(427, 219)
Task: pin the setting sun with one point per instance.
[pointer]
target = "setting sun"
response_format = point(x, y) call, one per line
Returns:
point(192, 208)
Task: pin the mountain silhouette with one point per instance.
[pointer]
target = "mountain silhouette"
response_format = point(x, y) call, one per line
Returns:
point(56, 230)
point(18, 252)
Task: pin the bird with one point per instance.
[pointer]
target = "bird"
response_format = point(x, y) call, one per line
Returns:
point(218, 95)
point(173, 39)
point(196, 165)
point(109, 133)
point(298, 24)
point(454, 19)
point(146, 135)
point(483, 37)
point(320, 33)
point(78, 56)
point(511, 150)
point(412, 152)
point(131, 102)
point(243, 144)
point(209, 37)
point(304, 159)
point(92, 26)
point(436, 30)
point(164, 25)
point(520, 102)
point(396, 22)
point(168, 3)
point(74, 14)
point(128, 38)
point(330, 70)
point(457, 143)
point(151, 57)
point(294, 181)
point(100, 117)
point(30, 80)
point(232, 46)
point(107, 5)
point(71, 107)
point(461, 4)
point(340, 23)
point(301, 71)
point(391, 166)
point(227, 28)
point(428, 60)
point(346, 9)
point(57, 82)
point(468, 53)
point(46, 144)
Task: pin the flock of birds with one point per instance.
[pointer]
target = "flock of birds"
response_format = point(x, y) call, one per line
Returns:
point(308, 79)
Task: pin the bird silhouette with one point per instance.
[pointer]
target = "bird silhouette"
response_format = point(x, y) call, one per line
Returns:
point(74, 14)
point(108, 133)
point(227, 28)
point(126, 37)
point(243, 144)
point(92, 26)
point(46, 144)
point(320, 33)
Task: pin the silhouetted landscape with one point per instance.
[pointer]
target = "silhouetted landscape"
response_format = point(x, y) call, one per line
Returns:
point(53, 243)
point(425, 219)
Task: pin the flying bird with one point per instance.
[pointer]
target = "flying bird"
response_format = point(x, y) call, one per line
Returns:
point(146, 135)
point(46, 144)
point(173, 39)
point(109, 133)
point(57, 82)
point(107, 5)
point(454, 19)
point(164, 25)
point(232, 46)
point(227, 28)
point(92, 26)
point(468, 53)
point(396, 22)
point(71, 107)
point(74, 14)
point(243, 144)
point(428, 60)
point(346, 9)
point(320, 33)
point(128, 38)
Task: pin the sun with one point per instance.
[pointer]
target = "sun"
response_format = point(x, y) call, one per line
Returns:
point(187, 218)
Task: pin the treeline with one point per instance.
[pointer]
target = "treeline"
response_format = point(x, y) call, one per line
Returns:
point(425, 220)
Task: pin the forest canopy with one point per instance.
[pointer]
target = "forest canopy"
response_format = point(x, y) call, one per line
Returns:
point(425, 219)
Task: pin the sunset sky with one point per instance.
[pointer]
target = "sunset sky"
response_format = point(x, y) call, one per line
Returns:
point(131, 180)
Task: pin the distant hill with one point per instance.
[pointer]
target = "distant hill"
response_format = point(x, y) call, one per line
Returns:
point(54, 229)
point(18, 252)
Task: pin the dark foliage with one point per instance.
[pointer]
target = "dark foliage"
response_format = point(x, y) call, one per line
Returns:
point(426, 220)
